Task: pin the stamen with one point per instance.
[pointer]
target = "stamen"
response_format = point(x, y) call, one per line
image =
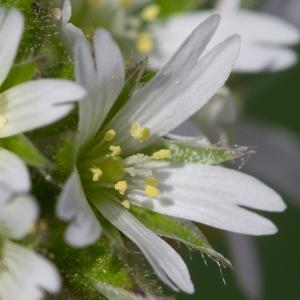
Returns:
point(126, 204)
point(143, 172)
point(150, 12)
point(151, 191)
point(121, 187)
point(97, 173)
point(161, 154)
point(109, 135)
point(136, 159)
point(144, 43)
point(115, 150)
point(3, 122)
point(138, 132)
point(153, 181)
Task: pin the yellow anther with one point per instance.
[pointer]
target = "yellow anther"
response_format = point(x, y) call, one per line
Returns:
point(126, 3)
point(97, 173)
point(151, 191)
point(144, 43)
point(109, 135)
point(115, 150)
point(150, 12)
point(121, 187)
point(126, 204)
point(161, 154)
point(151, 181)
point(3, 122)
point(138, 132)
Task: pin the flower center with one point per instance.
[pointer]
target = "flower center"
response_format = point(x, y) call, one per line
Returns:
point(106, 169)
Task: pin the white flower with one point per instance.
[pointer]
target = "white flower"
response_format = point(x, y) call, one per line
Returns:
point(114, 167)
point(265, 37)
point(32, 104)
point(24, 274)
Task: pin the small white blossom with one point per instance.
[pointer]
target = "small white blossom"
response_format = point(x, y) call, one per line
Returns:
point(113, 170)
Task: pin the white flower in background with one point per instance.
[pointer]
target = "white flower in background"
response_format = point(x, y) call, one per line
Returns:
point(23, 273)
point(115, 166)
point(127, 21)
point(68, 31)
point(287, 9)
point(265, 38)
point(282, 168)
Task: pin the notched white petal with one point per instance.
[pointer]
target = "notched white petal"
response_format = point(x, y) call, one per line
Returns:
point(214, 196)
point(26, 275)
point(17, 216)
point(11, 29)
point(161, 114)
point(165, 261)
point(14, 177)
point(103, 79)
point(72, 206)
point(38, 103)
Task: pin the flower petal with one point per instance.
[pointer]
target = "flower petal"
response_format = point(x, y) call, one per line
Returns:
point(103, 84)
point(66, 11)
point(18, 215)
point(212, 195)
point(73, 206)
point(37, 103)
point(160, 112)
point(25, 274)
point(70, 35)
point(11, 29)
point(246, 262)
point(14, 177)
point(259, 58)
point(277, 158)
point(168, 265)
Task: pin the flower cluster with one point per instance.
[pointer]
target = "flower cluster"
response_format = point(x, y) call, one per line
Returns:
point(121, 164)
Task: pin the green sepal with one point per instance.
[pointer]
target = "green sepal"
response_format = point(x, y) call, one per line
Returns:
point(208, 155)
point(64, 157)
point(25, 149)
point(18, 74)
point(134, 76)
point(185, 232)
point(94, 271)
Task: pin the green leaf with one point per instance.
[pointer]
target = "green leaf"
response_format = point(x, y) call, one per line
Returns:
point(209, 155)
point(185, 232)
point(94, 270)
point(27, 151)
